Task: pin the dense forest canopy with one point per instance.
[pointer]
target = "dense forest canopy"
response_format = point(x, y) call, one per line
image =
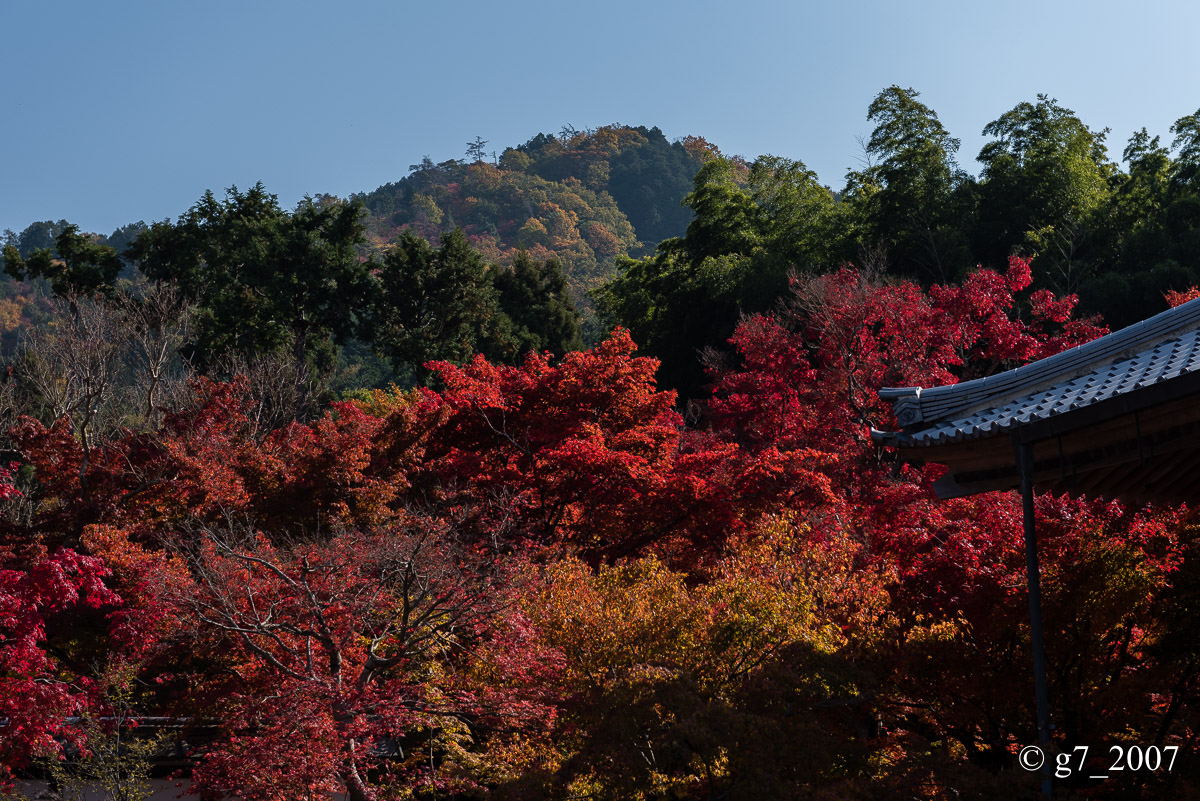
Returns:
point(622, 210)
point(546, 473)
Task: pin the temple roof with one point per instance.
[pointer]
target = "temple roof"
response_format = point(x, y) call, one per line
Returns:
point(1111, 417)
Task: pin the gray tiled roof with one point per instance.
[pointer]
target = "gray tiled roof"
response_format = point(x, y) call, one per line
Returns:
point(1150, 352)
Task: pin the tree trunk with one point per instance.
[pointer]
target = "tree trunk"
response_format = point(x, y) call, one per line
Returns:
point(356, 788)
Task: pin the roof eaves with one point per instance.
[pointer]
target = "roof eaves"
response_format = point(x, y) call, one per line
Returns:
point(915, 405)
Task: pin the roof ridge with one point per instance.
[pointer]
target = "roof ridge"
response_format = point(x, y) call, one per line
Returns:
point(913, 405)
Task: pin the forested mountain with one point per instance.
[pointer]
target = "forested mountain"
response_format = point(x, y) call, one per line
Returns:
point(582, 197)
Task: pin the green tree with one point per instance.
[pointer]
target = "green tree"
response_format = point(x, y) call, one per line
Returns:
point(475, 149)
point(36, 236)
point(1182, 215)
point(436, 304)
point(1185, 177)
point(1139, 197)
point(753, 226)
point(265, 280)
point(801, 226)
point(1046, 190)
point(77, 265)
point(685, 297)
point(121, 238)
point(909, 199)
point(726, 217)
point(534, 296)
point(1153, 228)
point(648, 180)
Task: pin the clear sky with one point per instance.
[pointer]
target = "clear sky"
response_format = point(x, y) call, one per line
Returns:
point(120, 111)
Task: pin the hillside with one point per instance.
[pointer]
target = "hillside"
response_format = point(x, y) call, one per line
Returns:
point(582, 197)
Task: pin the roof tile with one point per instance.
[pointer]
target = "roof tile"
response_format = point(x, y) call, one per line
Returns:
point(1148, 353)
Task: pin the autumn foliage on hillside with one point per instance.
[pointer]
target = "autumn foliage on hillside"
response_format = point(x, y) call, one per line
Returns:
point(581, 197)
point(545, 581)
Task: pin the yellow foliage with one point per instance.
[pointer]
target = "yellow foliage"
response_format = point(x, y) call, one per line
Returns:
point(532, 233)
point(426, 207)
point(383, 402)
point(686, 685)
point(10, 315)
point(485, 176)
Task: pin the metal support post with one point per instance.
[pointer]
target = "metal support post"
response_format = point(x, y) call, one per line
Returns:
point(1025, 465)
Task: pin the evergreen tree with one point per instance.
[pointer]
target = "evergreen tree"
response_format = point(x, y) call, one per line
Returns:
point(910, 199)
point(76, 266)
point(753, 226)
point(534, 297)
point(1046, 190)
point(265, 280)
point(437, 304)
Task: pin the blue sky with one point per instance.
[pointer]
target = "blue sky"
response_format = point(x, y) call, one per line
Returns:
point(120, 111)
